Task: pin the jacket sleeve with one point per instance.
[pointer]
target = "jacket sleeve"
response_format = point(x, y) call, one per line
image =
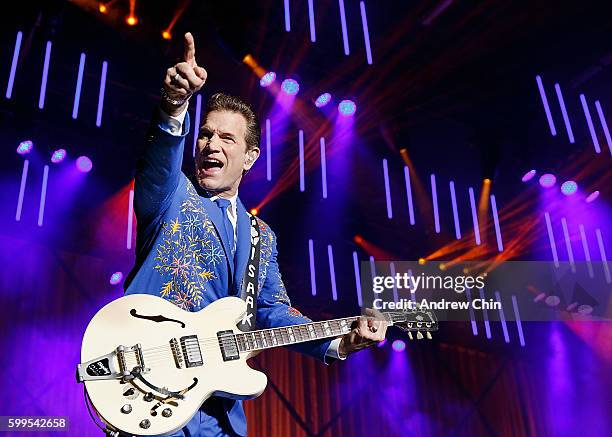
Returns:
point(158, 171)
point(274, 309)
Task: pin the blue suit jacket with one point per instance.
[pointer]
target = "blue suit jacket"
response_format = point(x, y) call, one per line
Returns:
point(181, 255)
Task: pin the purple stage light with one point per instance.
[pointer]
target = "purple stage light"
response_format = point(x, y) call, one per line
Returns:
point(528, 176)
point(116, 278)
point(399, 346)
point(84, 164)
point(323, 100)
point(591, 197)
point(548, 180)
point(569, 187)
point(267, 79)
point(347, 108)
point(25, 147)
point(290, 86)
point(58, 156)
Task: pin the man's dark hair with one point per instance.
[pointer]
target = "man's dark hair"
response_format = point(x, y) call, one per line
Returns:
point(224, 102)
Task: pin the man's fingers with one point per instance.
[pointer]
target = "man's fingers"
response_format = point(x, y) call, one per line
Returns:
point(189, 49)
point(201, 73)
point(186, 71)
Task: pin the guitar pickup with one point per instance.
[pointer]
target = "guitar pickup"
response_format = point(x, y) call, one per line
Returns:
point(229, 347)
point(191, 351)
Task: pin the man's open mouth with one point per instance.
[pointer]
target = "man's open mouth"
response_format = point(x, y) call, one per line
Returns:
point(211, 165)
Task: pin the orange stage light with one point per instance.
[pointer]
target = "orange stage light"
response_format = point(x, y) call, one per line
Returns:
point(102, 8)
point(166, 35)
point(254, 211)
point(131, 20)
point(252, 63)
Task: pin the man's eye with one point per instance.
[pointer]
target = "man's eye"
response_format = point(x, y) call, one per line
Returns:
point(228, 139)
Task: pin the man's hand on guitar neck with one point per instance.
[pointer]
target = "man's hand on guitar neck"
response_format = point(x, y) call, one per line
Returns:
point(366, 332)
point(182, 80)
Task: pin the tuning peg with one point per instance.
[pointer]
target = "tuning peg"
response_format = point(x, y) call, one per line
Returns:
point(410, 335)
point(428, 334)
point(419, 335)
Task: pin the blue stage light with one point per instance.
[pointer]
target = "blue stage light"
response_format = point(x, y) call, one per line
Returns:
point(267, 79)
point(399, 346)
point(323, 100)
point(25, 147)
point(547, 180)
point(347, 108)
point(84, 164)
point(116, 278)
point(290, 86)
point(569, 187)
point(58, 156)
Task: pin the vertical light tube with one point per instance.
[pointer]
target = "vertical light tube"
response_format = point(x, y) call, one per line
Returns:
point(474, 216)
point(24, 178)
point(101, 94)
point(196, 122)
point(587, 253)
point(604, 125)
point(130, 220)
point(332, 272)
point(323, 168)
point(301, 151)
point(77, 91)
point(45, 75)
point(566, 120)
point(313, 278)
point(43, 196)
point(409, 195)
point(602, 251)
point(589, 120)
point(568, 244)
point(551, 124)
point(366, 32)
point(468, 296)
point(485, 316)
point(344, 30)
point(519, 324)
point(287, 17)
point(434, 196)
point(268, 151)
point(357, 279)
point(551, 239)
point(387, 189)
point(455, 211)
point(502, 317)
point(500, 244)
point(11, 82)
point(313, 34)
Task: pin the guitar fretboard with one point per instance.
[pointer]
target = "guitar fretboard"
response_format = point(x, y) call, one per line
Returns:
point(286, 335)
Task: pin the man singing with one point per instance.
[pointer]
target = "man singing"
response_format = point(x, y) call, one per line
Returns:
point(193, 238)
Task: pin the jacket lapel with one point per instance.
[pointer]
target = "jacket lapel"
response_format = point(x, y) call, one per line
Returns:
point(243, 246)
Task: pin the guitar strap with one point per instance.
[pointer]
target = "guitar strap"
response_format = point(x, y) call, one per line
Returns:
point(250, 279)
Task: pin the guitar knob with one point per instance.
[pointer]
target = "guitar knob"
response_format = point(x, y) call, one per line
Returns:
point(167, 412)
point(145, 424)
point(126, 409)
point(148, 397)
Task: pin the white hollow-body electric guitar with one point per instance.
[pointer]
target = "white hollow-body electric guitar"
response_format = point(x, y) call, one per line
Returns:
point(148, 365)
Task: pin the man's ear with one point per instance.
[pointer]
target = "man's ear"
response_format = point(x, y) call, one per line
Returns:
point(252, 156)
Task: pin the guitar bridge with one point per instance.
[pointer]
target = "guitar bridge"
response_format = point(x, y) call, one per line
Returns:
point(112, 365)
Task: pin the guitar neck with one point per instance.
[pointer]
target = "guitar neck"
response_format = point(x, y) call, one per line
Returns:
point(287, 335)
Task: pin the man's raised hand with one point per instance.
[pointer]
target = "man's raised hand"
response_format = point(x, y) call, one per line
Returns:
point(183, 80)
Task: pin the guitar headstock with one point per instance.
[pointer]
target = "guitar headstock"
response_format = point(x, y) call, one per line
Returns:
point(412, 320)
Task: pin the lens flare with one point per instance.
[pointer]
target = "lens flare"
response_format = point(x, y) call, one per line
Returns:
point(528, 176)
point(58, 156)
point(84, 164)
point(347, 108)
point(267, 79)
point(290, 86)
point(323, 100)
point(548, 180)
point(25, 147)
point(569, 187)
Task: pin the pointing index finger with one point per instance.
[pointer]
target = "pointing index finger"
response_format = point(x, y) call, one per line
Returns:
point(189, 49)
